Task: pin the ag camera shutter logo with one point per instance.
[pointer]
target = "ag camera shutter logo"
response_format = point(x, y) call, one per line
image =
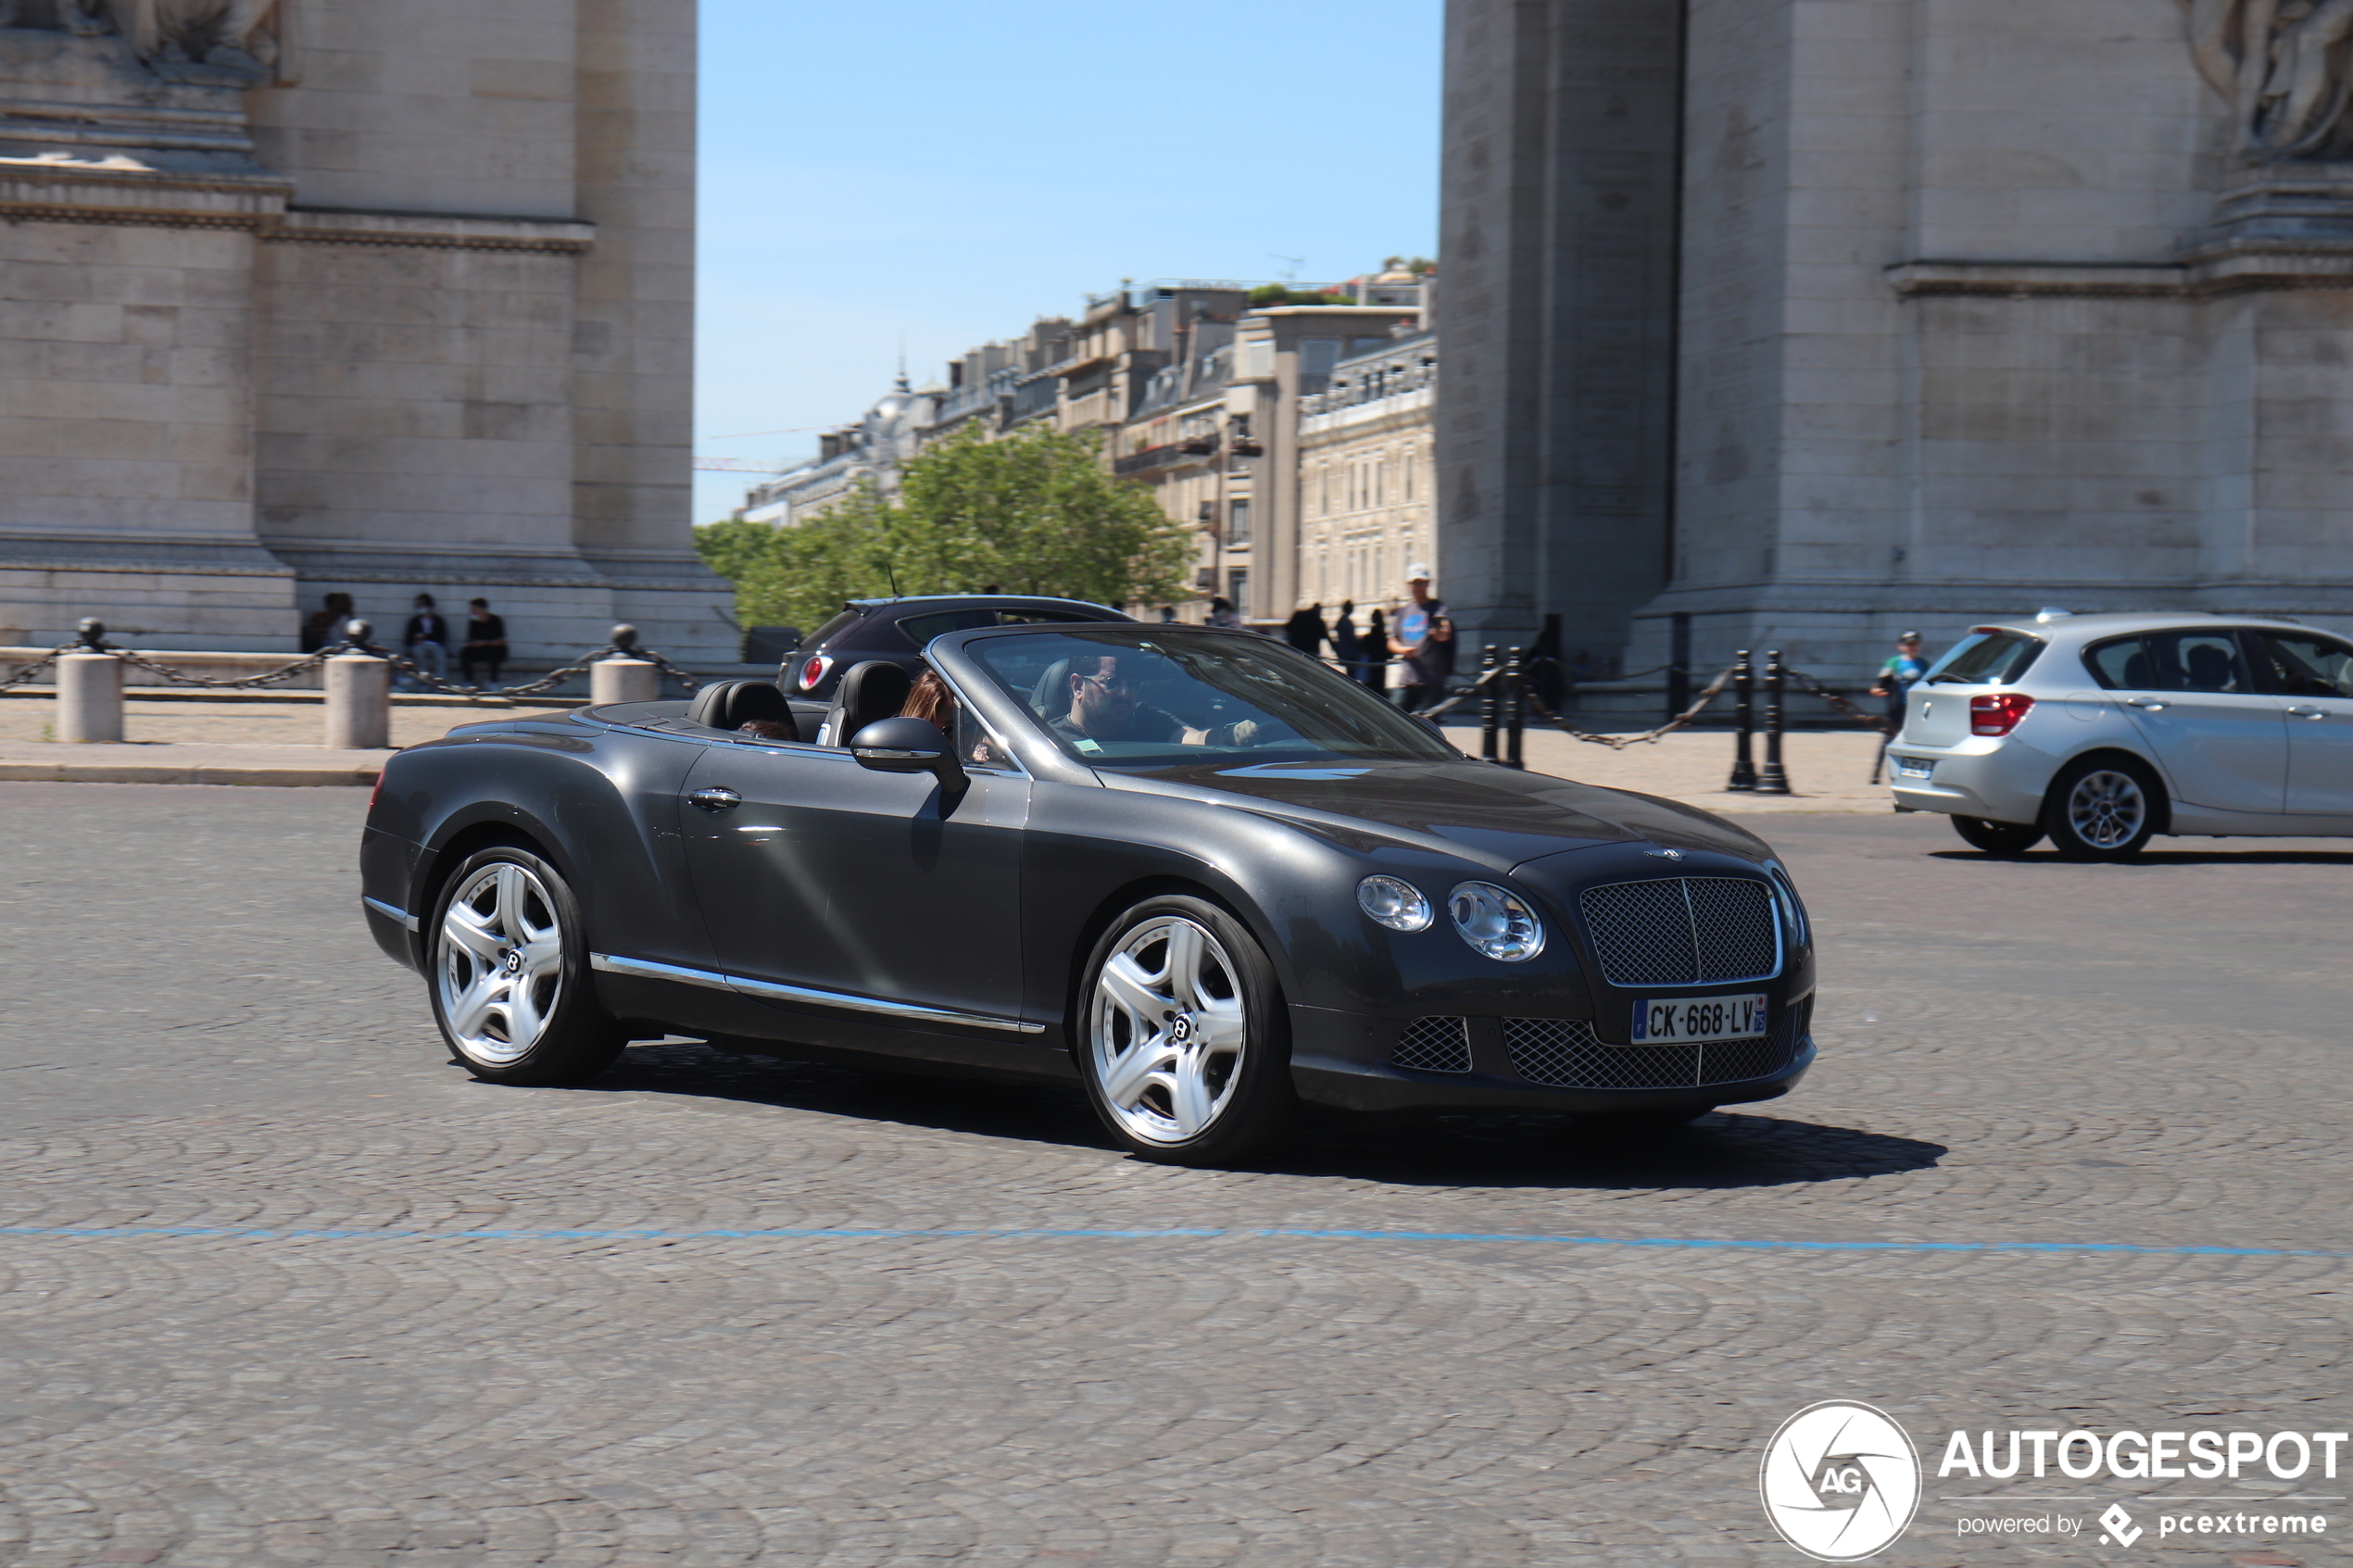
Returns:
point(1840, 1481)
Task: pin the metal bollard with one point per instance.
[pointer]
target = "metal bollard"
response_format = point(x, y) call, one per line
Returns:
point(1514, 712)
point(1486, 706)
point(623, 679)
point(89, 697)
point(359, 696)
point(1744, 714)
point(1771, 779)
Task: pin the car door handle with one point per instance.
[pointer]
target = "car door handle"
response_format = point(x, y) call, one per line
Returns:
point(2148, 703)
point(716, 800)
point(2303, 713)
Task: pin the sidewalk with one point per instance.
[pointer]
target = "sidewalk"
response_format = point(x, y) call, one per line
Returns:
point(256, 742)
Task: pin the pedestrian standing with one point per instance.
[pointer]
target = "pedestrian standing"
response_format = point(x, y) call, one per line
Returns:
point(1896, 679)
point(1424, 637)
point(485, 642)
point(1347, 646)
point(324, 628)
point(426, 640)
point(1168, 614)
point(1372, 660)
point(1221, 613)
point(1305, 630)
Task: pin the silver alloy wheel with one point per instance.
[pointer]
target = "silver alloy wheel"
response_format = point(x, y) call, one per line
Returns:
point(500, 968)
point(1166, 1031)
point(2107, 807)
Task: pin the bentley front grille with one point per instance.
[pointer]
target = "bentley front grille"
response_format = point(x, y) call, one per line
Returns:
point(1433, 1044)
point(1684, 930)
point(1567, 1054)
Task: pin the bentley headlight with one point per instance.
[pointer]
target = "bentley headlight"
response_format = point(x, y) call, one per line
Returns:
point(1792, 908)
point(1496, 920)
point(1396, 905)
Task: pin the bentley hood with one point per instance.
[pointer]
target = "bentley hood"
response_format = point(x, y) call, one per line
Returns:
point(1498, 816)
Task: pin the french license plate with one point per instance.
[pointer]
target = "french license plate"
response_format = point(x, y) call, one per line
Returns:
point(1681, 1021)
point(1915, 768)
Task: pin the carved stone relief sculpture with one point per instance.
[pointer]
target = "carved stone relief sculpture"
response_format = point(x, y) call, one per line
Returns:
point(232, 35)
point(2285, 67)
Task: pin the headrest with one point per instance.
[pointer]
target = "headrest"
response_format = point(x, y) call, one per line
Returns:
point(730, 705)
point(877, 689)
point(1049, 698)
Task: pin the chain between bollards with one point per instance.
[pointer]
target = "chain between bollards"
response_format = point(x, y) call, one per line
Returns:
point(1771, 778)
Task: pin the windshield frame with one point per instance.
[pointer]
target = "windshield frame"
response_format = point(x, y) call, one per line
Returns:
point(954, 655)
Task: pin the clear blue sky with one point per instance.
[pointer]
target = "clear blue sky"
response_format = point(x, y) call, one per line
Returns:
point(944, 174)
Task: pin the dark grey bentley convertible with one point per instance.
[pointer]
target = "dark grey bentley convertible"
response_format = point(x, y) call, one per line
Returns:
point(1202, 875)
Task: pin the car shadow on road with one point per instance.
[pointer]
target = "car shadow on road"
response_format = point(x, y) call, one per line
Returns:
point(1724, 1150)
point(2161, 858)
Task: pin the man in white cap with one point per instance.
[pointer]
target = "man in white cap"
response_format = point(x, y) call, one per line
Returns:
point(1423, 636)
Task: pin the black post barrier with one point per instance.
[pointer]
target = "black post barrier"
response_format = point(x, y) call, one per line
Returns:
point(1678, 665)
point(1514, 712)
point(1771, 778)
point(1745, 715)
point(1486, 703)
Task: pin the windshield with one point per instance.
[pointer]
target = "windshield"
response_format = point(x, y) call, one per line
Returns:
point(1128, 697)
point(1985, 658)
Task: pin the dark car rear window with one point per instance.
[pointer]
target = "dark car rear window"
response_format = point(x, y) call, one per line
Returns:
point(921, 629)
point(817, 639)
point(1985, 658)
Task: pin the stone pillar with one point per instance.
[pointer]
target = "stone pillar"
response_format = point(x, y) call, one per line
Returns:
point(358, 702)
point(623, 679)
point(1558, 224)
point(89, 697)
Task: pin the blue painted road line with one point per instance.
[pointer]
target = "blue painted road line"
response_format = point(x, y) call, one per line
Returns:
point(1285, 1233)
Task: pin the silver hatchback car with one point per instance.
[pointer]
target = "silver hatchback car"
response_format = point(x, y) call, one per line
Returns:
point(2101, 731)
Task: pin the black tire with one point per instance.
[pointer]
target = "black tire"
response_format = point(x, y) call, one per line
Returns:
point(2103, 808)
point(513, 963)
point(1998, 838)
point(1212, 1105)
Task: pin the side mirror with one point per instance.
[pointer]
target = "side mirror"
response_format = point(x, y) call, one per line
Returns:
point(909, 746)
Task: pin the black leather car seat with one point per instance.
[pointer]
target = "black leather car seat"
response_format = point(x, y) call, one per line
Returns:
point(1049, 698)
point(730, 705)
point(877, 689)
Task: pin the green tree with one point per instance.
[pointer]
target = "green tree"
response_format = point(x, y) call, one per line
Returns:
point(1033, 513)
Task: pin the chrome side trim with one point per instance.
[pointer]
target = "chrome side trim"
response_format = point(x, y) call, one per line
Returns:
point(645, 969)
point(402, 916)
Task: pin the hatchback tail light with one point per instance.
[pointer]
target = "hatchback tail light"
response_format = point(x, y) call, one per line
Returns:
point(814, 671)
point(1998, 714)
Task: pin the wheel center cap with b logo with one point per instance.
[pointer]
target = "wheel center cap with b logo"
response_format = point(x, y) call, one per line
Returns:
point(1181, 1031)
point(513, 964)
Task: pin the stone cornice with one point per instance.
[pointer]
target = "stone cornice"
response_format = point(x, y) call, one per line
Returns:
point(2235, 267)
point(109, 193)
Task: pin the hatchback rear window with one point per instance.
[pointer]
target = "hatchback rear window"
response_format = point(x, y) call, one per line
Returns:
point(817, 639)
point(922, 629)
point(1985, 658)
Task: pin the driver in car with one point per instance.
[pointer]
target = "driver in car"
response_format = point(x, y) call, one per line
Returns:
point(1105, 707)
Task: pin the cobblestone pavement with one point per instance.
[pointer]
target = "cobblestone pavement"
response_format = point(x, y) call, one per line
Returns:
point(278, 1286)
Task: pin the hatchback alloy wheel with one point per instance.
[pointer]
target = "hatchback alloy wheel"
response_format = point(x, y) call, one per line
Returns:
point(2106, 808)
point(2102, 809)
